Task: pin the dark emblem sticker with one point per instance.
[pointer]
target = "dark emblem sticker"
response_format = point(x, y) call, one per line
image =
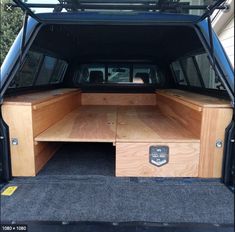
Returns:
point(159, 155)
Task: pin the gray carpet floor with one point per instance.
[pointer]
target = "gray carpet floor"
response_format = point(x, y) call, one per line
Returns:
point(60, 194)
point(82, 159)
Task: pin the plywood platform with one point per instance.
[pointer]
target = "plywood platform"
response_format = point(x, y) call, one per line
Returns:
point(148, 124)
point(116, 124)
point(85, 124)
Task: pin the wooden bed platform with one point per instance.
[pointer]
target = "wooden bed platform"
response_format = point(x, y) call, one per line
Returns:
point(188, 124)
point(85, 124)
point(117, 124)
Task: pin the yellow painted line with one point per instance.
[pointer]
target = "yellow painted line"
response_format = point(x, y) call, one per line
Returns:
point(9, 191)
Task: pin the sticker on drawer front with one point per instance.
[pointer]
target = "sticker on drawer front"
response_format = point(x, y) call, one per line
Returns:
point(9, 191)
point(159, 155)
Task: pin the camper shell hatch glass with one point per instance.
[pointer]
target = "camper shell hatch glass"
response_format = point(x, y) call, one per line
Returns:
point(192, 7)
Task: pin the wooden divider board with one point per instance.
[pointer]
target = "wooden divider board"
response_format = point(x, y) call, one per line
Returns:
point(118, 99)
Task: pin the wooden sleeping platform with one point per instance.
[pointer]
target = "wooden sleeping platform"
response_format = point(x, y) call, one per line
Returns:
point(188, 124)
point(116, 124)
point(83, 125)
point(149, 124)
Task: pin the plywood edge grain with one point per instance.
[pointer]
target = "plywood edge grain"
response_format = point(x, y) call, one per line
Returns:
point(6, 102)
point(161, 140)
point(43, 138)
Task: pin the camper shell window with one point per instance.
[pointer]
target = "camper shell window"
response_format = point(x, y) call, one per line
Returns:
point(39, 70)
point(196, 71)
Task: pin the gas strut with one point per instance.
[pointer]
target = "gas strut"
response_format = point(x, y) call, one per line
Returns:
point(208, 15)
point(25, 22)
point(211, 40)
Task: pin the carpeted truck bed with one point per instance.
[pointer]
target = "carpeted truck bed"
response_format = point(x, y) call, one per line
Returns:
point(85, 195)
point(82, 159)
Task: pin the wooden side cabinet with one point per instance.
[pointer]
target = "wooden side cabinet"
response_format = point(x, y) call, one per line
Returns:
point(29, 115)
point(215, 115)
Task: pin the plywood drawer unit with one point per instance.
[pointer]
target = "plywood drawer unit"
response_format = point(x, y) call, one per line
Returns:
point(29, 115)
point(133, 159)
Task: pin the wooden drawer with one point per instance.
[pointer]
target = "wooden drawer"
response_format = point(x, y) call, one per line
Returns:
point(132, 159)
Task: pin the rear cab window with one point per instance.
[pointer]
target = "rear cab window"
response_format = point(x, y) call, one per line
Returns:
point(117, 74)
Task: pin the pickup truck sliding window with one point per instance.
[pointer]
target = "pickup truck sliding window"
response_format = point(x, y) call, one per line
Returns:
point(122, 74)
point(39, 70)
point(196, 71)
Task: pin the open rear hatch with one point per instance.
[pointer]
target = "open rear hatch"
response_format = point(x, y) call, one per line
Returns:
point(201, 8)
point(79, 183)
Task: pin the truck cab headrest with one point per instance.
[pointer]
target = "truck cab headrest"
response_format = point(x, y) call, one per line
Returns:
point(143, 76)
point(96, 77)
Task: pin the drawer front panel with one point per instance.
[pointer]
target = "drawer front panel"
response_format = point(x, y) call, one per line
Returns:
point(133, 159)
